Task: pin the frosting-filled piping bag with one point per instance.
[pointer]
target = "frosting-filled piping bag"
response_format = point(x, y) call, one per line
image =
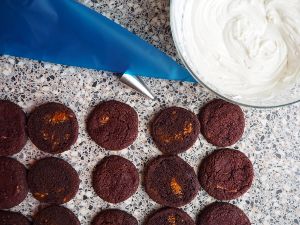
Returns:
point(67, 32)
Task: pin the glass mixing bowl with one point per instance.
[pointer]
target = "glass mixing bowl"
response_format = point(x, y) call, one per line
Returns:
point(177, 13)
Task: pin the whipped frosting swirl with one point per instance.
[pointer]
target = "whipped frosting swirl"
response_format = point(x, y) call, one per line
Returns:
point(245, 47)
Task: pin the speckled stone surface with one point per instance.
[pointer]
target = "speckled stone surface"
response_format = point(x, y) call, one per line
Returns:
point(271, 139)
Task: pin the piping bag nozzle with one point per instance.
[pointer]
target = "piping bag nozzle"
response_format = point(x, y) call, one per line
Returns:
point(136, 83)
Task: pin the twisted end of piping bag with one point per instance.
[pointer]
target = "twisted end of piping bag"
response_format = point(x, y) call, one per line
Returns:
point(67, 32)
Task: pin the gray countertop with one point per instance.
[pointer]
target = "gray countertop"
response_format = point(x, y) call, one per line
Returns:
point(271, 139)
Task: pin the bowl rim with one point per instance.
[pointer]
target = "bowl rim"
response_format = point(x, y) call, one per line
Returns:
point(175, 39)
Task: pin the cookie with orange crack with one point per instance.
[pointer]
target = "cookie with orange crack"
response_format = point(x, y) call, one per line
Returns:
point(226, 174)
point(114, 217)
point(113, 125)
point(53, 127)
point(175, 130)
point(13, 134)
point(171, 181)
point(170, 216)
point(13, 182)
point(53, 180)
point(115, 179)
point(222, 123)
point(13, 218)
point(57, 215)
point(223, 213)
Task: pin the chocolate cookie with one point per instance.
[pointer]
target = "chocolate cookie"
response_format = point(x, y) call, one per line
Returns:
point(53, 128)
point(170, 181)
point(222, 123)
point(226, 174)
point(223, 213)
point(175, 130)
point(57, 215)
point(113, 125)
point(170, 216)
point(114, 217)
point(53, 181)
point(13, 182)
point(115, 179)
point(13, 218)
point(13, 135)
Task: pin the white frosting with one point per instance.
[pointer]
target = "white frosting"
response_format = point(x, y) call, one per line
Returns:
point(244, 47)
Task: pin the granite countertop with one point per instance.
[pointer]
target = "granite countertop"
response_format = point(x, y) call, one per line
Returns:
point(271, 139)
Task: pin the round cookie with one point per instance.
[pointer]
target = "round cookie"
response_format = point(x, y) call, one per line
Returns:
point(13, 135)
point(114, 217)
point(175, 130)
point(113, 125)
point(57, 215)
point(222, 123)
point(223, 213)
point(226, 174)
point(170, 181)
point(13, 218)
point(170, 216)
point(53, 128)
point(115, 179)
point(13, 182)
point(53, 180)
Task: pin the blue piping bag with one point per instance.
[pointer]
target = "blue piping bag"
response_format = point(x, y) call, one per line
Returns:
point(67, 32)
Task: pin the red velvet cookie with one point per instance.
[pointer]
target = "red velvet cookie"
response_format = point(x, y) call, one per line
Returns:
point(13, 135)
point(175, 130)
point(57, 215)
point(13, 218)
point(53, 128)
point(223, 213)
point(53, 180)
point(113, 125)
point(226, 174)
point(222, 123)
point(170, 181)
point(170, 216)
point(114, 217)
point(13, 182)
point(115, 179)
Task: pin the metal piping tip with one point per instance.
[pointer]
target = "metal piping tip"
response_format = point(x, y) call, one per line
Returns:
point(137, 84)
